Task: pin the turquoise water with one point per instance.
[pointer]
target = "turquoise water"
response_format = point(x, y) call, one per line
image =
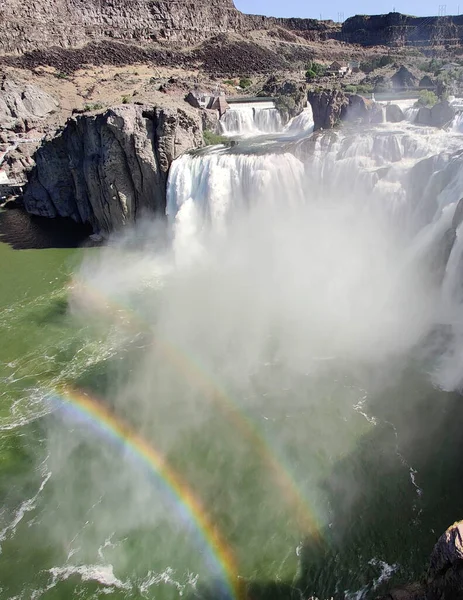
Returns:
point(374, 470)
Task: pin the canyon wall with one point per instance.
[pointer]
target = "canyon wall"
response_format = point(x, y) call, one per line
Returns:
point(106, 169)
point(395, 29)
point(27, 26)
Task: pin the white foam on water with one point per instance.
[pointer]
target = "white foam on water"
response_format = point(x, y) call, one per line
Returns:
point(103, 574)
point(25, 507)
point(387, 571)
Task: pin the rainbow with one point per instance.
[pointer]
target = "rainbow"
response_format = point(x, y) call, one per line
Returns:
point(211, 389)
point(190, 509)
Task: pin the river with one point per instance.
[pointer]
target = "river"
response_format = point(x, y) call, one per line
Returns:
point(258, 398)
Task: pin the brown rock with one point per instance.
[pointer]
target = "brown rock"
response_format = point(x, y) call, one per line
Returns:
point(327, 106)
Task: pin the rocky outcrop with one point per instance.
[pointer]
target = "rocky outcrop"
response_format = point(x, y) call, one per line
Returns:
point(403, 79)
point(394, 114)
point(444, 579)
point(327, 107)
point(38, 25)
point(21, 104)
point(27, 25)
point(440, 115)
point(395, 29)
point(106, 169)
point(291, 96)
point(445, 574)
point(330, 107)
point(427, 82)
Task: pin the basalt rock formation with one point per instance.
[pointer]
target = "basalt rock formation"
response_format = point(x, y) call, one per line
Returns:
point(22, 104)
point(397, 30)
point(330, 107)
point(440, 115)
point(444, 579)
point(327, 107)
point(36, 26)
point(28, 26)
point(106, 169)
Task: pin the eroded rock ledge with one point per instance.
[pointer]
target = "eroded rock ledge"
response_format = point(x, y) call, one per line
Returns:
point(105, 169)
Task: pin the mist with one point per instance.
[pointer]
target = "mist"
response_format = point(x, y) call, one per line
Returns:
point(256, 338)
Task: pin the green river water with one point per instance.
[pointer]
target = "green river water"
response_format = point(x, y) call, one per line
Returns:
point(80, 519)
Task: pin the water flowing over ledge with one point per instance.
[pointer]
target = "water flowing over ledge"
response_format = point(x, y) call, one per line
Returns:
point(402, 182)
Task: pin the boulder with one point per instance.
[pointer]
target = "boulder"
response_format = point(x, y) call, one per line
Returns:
point(403, 79)
point(358, 108)
point(423, 116)
point(327, 107)
point(394, 113)
point(106, 169)
point(439, 115)
point(442, 114)
point(193, 99)
point(377, 114)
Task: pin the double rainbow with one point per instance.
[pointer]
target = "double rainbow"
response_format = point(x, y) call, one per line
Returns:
point(191, 511)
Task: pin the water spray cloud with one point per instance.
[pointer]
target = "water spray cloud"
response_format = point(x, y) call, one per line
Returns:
point(79, 405)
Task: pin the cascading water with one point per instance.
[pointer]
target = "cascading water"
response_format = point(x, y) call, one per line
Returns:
point(251, 119)
point(246, 120)
point(257, 391)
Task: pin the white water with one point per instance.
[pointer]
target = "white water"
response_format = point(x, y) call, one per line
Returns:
point(372, 214)
point(248, 120)
point(253, 119)
point(290, 259)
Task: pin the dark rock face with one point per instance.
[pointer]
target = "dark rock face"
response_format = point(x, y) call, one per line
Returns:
point(327, 106)
point(444, 579)
point(395, 29)
point(394, 113)
point(423, 116)
point(403, 79)
point(427, 82)
point(358, 108)
point(332, 106)
point(106, 169)
point(445, 575)
point(38, 25)
point(440, 115)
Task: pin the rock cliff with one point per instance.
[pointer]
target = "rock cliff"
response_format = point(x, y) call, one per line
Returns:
point(395, 29)
point(27, 25)
point(105, 169)
point(37, 25)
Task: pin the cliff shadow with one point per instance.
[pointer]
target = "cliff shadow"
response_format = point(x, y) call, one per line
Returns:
point(27, 232)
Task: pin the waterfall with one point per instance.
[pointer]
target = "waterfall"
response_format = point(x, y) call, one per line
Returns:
point(457, 124)
point(377, 206)
point(302, 124)
point(248, 119)
point(411, 113)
